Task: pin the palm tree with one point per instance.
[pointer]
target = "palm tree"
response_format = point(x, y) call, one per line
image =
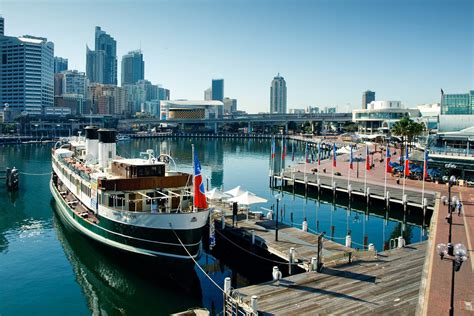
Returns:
point(401, 128)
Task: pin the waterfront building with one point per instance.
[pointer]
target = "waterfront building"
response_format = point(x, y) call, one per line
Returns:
point(430, 115)
point(367, 97)
point(95, 61)
point(133, 67)
point(60, 64)
point(57, 111)
point(27, 73)
point(74, 82)
point(457, 111)
point(331, 110)
point(208, 94)
point(230, 105)
point(77, 104)
point(191, 109)
point(2, 26)
point(217, 89)
point(312, 109)
point(297, 111)
point(380, 116)
point(163, 94)
point(278, 95)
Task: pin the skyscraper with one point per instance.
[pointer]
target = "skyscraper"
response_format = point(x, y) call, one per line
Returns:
point(218, 89)
point(27, 73)
point(95, 65)
point(60, 64)
point(367, 97)
point(278, 95)
point(208, 94)
point(2, 26)
point(106, 43)
point(133, 67)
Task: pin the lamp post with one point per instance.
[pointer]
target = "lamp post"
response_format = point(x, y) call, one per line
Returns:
point(278, 198)
point(358, 159)
point(449, 218)
point(458, 257)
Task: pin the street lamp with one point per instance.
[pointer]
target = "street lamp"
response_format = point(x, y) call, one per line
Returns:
point(278, 198)
point(449, 218)
point(458, 257)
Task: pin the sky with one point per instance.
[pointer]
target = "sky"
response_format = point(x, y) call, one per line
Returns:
point(328, 51)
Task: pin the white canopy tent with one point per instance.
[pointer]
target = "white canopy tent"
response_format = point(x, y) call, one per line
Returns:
point(238, 190)
point(216, 194)
point(247, 198)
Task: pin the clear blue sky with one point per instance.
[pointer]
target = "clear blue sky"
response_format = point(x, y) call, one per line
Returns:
point(328, 51)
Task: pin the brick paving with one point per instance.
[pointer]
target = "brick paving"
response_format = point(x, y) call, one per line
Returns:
point(438, 286)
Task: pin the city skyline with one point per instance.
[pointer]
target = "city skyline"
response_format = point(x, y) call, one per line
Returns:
point(322, 50)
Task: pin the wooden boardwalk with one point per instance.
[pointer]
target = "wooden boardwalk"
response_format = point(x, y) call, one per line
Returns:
point(305, 243)
point(389, 285)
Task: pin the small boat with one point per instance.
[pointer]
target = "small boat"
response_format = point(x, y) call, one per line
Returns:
point(136, 205)
point(123, 137)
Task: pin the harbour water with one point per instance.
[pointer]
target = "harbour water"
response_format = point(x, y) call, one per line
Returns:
point(46, 269)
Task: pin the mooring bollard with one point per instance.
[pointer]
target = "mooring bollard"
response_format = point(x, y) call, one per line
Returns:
point(401, 242)
point(253, 236)
point(276, 274)
point(348, 241)
point(304, 225)
point(314, 264)
point(254, 303)
point(291, 260)
point(371, 247)
point(227, 286)
point(367, 193)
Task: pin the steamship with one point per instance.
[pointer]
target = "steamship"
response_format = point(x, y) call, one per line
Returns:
point(135, 205)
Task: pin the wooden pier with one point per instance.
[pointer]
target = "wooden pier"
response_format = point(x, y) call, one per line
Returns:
point(387, 284)
point(305, 244)
point(413, 196)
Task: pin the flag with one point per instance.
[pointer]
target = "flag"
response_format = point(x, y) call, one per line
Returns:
point(388, 168)
point(293, 151)
point(425, 165)
point(273, 148)
point(319, 154)
point(334, 155)
point(407, 162)
point(351, 164)
point(367, 158)
point(199, 193)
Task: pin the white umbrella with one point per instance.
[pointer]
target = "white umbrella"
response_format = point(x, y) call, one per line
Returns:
point(215, 194)
point(235, 191)
point(343, 150)
point(247, 198)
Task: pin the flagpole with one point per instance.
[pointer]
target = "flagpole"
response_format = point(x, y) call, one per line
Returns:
point(366, 162)
point(386, 171)
point(332, 162)
point(305, 161)
point(194, 193)
point(404, 171)
point(350, 168)
point(425, 166)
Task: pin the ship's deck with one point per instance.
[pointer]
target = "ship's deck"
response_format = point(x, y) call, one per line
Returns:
point(76, 205)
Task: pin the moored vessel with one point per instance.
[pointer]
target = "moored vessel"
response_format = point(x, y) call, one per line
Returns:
point(136, 205)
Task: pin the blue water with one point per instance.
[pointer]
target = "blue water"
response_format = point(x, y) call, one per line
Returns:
point(45, 269)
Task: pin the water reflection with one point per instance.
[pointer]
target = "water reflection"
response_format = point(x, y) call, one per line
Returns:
point(117, 284)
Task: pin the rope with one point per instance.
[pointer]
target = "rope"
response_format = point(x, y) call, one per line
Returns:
point(36, 174)
point(197, 264)
point(263, 258)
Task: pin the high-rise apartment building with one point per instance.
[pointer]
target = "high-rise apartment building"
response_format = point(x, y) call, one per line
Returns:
point(26, 73)
point(95, 65)
point(74, 82)
point(459, 103)
point(278, 95)
point(58, 84)
point(208, 94)
point(60, 64)
point(107, 99)
point(367, 97)
point(217, 89)
point(133, 67)
point(106, 43)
